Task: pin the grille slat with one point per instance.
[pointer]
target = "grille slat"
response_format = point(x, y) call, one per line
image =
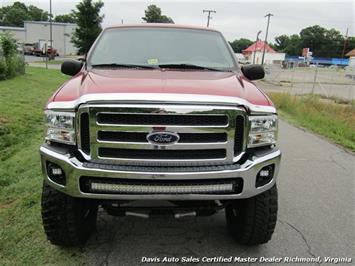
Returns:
point(85, 133)
point(162, 154)
point(142, 137)
point(162, 119)
point(238, 137)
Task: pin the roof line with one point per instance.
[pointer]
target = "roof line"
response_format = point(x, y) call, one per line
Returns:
point(12, 28)
point(47, 22)
point(161, 25)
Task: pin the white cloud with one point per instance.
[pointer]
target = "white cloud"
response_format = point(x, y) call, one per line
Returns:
point(236, 19)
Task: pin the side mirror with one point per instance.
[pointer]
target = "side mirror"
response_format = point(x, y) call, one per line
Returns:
point(71, 67)
point(253, 72)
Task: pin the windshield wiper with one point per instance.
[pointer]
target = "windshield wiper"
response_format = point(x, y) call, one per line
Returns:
point(191, 66)
point(124, 66)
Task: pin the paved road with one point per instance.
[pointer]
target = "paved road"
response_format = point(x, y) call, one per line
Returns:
point(316, 215)
point(32, 58)
point(36, 61)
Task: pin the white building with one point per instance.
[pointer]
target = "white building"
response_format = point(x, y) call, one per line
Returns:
point(254, 54)
point(35, 31)
point(351, 55)
point(269, 58)
point(17, 33)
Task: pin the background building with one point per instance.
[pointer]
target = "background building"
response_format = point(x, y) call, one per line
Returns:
point(351, 55)
point(36, 31)
point(256, 50)
point(18, 33)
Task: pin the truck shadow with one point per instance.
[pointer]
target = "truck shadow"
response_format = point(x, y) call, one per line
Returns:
point(127, 240)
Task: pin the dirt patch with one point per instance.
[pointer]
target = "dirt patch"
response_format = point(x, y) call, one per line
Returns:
point(4, 205)
point(3, 120)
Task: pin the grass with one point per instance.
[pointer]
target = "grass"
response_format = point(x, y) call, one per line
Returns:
point(22, 239)
point(325, 117)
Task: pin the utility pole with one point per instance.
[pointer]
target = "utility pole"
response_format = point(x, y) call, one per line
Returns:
point(256, 44)
point(267, 31)
point(50, 25)
point(209, 15)
point(345, 44)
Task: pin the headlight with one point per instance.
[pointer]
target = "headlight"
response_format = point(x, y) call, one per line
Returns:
point(263, 130)
point(60, 127)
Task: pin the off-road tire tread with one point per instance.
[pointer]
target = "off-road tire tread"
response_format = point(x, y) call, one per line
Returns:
point(257, 218)
point(61, 218)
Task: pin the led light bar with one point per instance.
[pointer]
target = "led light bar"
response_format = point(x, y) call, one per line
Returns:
point(162, 189)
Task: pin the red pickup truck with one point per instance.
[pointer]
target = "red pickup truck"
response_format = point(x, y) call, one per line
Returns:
point(163, 113)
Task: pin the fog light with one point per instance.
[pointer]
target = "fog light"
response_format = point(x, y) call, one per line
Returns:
point(265, 175)
point(56, 173)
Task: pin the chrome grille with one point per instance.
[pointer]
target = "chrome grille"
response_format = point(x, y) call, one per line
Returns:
point(118, 134)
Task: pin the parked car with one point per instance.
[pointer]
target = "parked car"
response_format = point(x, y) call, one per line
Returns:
point(28, 48)
point(160, 112)
point(40, 49)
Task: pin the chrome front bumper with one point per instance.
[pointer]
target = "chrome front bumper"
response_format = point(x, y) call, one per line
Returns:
point(74, 169)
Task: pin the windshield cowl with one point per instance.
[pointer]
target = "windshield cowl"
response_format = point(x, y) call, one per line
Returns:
point(185, 67)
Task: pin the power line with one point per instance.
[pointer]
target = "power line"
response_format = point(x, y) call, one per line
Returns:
point(267, 31)
point(209, 15)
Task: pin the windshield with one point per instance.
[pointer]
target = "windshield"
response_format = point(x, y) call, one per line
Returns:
point(162, 46)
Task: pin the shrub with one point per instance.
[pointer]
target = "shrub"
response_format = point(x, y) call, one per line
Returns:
point(11, 62)
point(3, 69)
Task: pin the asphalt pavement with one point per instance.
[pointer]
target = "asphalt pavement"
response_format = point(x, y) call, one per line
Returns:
point(316, 216)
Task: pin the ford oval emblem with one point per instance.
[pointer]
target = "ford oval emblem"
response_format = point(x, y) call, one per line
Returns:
point(163, 138)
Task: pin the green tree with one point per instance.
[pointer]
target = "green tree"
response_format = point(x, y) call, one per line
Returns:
point(153, 15)
point(37, 14)
point(333, 46)
point(88, 20)
point(281, 42)
point(288, 44)
point(17, 13)
point(66, 18)
point(239, 45)
point(314, 38)
point(321, 41)
point(350, 44)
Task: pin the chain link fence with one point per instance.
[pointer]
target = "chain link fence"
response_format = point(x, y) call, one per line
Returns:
point(330, 82)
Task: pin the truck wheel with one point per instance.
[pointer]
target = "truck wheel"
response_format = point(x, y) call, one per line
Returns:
point(252, 221)
point(67, 221)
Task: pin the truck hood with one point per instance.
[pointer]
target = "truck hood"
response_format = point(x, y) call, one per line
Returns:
point(122, 84)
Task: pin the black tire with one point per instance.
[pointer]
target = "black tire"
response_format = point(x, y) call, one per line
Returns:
point(252, 221)
point(67, 221)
